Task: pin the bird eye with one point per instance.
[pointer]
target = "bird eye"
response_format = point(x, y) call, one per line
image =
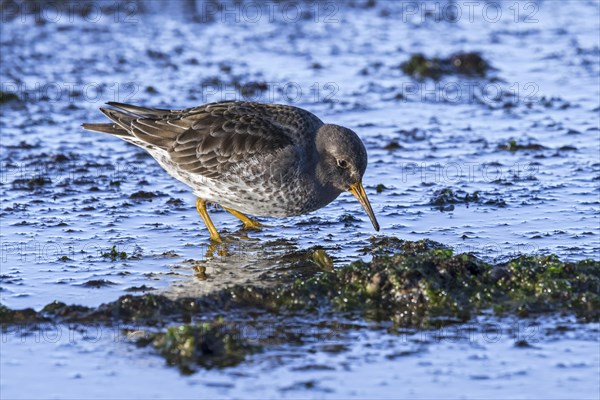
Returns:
point(342, 164)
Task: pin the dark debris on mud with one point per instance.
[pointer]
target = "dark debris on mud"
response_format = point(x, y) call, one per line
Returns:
point(513, 146)
point(445, 199)
point(410, 284)
point(469, 64)
point(6, 97)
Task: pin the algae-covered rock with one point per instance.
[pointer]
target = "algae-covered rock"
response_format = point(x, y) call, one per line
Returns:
point(545, 284)
point(410, 288)
point(409, 283)
point(147, 309)
point(419, 286)
point(209, 344)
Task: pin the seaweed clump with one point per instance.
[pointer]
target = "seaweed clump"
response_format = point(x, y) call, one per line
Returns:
point(209, 345)
point(513, 146)
point(467, 64)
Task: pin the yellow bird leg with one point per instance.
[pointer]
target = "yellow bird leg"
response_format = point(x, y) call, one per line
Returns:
point(249, 223)
point(201, 207)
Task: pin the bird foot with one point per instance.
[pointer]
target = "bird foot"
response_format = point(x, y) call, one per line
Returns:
point(253, 225)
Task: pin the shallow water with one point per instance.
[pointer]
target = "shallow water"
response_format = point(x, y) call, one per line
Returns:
point(69, 196)
point(488, 358)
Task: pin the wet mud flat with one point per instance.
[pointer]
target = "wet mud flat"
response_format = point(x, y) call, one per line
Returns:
point(483, 172)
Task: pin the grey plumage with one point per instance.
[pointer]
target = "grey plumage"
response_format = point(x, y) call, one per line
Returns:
point(261, 159)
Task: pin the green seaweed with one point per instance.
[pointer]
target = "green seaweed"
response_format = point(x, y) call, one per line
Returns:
point(209, 344)
point(113, 254)
point(513, 146)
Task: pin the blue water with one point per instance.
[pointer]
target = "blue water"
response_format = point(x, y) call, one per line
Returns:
point(342, 63)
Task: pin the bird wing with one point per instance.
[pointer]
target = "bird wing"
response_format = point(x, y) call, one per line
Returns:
point(211, 139)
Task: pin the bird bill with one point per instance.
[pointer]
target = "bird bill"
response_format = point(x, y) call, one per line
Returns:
point(358, 191)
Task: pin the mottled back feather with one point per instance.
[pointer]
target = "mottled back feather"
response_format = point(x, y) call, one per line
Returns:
point(211, 139)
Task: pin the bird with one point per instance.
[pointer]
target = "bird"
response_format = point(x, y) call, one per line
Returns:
point(261, 159)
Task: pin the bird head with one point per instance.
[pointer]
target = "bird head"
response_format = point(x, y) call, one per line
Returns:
point(343, 160)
